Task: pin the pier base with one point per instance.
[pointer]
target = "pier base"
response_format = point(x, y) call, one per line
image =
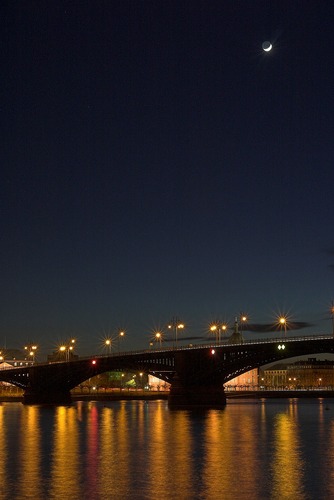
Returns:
point(188, 397)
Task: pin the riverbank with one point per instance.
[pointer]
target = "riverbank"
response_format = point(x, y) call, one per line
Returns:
point(280, 394)
point(153, 396)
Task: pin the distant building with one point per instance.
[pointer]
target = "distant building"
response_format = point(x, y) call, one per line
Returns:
point(311, 373)
point(248, 381)
point(304, 374)
point(274, 376)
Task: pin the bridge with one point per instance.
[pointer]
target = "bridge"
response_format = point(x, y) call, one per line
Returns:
point(196, 373)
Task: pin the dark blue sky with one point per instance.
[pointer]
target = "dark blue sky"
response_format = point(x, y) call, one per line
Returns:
point(156, 162)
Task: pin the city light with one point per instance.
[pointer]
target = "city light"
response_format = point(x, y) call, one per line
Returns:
point(108, 345)
point(158, 337)
point(31, 348)
point(243, 321)
point(67, 348)
point(283, 324)
point(176, 325)
point(112, 340)
point(120, 336)
point(217, 328)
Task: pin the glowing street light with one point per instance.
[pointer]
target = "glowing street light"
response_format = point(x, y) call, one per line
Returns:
point(158, 337)
point(121, 335)
point(217, 329)
point(243, 320)
point(176, 325)
point(31, 348)
point(108, 344)
point(67, 349)
point(62, 349)
point(282, 321)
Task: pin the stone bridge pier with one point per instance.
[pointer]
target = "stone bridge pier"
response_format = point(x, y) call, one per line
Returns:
point(198, 381)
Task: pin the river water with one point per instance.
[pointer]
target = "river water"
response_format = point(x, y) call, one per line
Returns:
point(267, 449)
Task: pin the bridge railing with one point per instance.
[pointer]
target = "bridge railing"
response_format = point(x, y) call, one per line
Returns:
point(213, 344)
point(210, 345)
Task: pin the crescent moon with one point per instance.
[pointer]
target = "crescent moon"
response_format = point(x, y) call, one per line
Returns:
point(267, 46)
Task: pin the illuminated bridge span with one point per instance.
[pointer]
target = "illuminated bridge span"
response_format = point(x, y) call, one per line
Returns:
point(197, 374)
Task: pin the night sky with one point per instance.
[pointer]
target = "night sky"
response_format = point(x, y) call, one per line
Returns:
point(156, 162)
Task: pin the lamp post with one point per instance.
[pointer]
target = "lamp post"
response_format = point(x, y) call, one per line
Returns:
point(108, 344)
point(62, 349)
point(120, 336)
point(217, 329)
point(67, 349)
point(31, 348)
point(282, 322)
point(243, 320)
point(224, 329)
point(158, 337)
point(176, 325)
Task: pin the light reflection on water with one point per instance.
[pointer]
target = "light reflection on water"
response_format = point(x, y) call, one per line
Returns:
point(141, 450)
point(287, 466)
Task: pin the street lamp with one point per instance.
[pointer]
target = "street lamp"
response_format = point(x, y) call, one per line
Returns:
point(158, 337)
point(31, 348)
point(108, 344)
point(217, 329)
point(243, 320)
point(282, 322)
point(62, 349)
point(121, 335)
point(176, 325)
point(67, 349)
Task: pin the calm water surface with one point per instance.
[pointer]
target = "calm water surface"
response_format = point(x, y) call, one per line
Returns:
point(273, 449)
